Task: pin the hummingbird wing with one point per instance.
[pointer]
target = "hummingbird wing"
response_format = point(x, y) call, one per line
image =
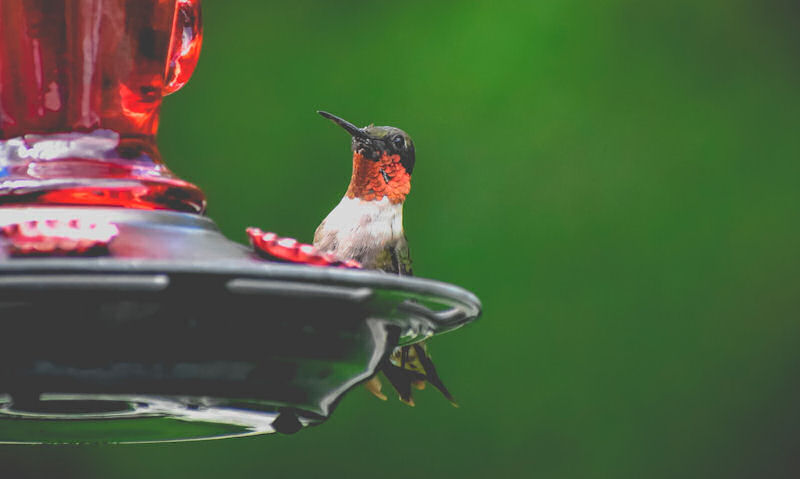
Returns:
point(403, 258)
point(395, 258)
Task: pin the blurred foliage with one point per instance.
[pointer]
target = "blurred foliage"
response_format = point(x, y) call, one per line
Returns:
point(618, 182)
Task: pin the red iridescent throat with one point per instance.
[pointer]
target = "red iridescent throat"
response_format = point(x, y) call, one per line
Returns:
point(373, 180)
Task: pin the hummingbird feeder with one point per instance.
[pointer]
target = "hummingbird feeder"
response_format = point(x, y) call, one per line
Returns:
point(126, 315)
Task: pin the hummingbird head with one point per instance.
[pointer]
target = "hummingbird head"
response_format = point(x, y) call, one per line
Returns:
point(383, 159)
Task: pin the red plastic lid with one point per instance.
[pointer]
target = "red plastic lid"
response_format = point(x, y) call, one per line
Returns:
point(59, 238)
point(274, 247)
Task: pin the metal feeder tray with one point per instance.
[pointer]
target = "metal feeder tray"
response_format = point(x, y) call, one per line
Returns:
point(181, 334)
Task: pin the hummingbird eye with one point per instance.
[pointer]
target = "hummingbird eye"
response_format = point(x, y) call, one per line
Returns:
point(398, 141)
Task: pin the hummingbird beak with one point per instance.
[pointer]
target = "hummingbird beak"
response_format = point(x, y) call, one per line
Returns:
point(355, 131)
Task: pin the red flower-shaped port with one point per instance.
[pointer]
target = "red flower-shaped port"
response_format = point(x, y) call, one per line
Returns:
point(271, 246)
point(59, 238)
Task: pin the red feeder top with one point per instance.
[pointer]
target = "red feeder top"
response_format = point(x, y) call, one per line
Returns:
point(290, 250)
point(59, 238)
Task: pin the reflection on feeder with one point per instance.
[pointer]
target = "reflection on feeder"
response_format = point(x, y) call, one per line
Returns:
point(305, 366)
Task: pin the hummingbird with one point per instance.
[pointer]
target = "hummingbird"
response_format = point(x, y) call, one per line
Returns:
point(367, 226)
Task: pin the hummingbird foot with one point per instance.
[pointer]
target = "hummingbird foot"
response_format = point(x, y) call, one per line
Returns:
point(374, 386)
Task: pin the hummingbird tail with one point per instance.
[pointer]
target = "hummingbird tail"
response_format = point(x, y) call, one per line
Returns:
point(431, 375)
point(410, 366)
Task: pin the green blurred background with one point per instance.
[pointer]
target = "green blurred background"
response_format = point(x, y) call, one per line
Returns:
point(618, 182)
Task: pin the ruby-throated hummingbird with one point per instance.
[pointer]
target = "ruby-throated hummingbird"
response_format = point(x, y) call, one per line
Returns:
point(367, 226)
